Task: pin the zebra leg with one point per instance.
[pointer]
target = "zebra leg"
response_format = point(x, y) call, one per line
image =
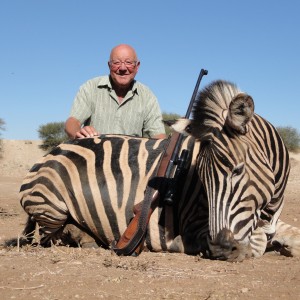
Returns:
point(50, 221)
point(70, 234)
point(287, 239)
point(45, 207)
point(74, 235)
point(49, 233)
point(258, 242)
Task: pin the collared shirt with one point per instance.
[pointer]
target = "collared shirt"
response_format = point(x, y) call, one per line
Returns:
point(97, 104)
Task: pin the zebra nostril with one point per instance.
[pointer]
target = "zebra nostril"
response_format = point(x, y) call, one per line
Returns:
point(225, 239)
point(226, 245)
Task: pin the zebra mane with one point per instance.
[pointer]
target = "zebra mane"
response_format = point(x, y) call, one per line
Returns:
point(213, 102)
point(212, 107)
point(219, 106)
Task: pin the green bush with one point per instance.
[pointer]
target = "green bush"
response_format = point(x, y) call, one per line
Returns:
point(290, 136)
point(169, 116)
point(52, 134)
point(2, 126)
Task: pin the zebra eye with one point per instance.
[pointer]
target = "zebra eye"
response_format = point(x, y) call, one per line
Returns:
point(188, 129)
point(238, 170)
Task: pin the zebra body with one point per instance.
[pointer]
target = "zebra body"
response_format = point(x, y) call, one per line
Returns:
point(228, 203)
point(96, 182)
point(85, 179)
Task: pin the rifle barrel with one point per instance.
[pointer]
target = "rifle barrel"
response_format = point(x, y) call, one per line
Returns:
point(188, 112)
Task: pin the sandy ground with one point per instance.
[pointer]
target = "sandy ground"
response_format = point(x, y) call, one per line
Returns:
point(74, 273)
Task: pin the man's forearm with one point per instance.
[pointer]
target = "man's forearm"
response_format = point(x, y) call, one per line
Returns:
point(71, 127)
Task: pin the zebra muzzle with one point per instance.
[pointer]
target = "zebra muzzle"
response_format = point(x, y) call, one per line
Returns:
point(225, 247)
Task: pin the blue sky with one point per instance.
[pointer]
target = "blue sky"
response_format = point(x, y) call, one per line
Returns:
point(49, 48)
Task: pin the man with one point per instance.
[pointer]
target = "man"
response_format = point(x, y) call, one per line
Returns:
point(116, 104)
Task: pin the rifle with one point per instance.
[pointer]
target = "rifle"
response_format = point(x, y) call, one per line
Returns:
point(132, 240)
point(182, 161)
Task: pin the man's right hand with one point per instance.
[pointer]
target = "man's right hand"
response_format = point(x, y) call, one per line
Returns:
point(86, 131)
point(74, 130)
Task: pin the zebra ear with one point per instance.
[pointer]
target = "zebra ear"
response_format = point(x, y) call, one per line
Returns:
point(240, 113)
point(181, 125)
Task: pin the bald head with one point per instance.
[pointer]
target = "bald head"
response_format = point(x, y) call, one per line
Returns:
point(123, 50)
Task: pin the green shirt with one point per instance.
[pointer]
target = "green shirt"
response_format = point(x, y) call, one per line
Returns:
point(97, 104)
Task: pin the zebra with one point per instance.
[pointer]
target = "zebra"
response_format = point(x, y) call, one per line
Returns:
point(243, 166)
point(228, 203)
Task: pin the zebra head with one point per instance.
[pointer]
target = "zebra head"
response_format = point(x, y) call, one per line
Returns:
point(233, 168)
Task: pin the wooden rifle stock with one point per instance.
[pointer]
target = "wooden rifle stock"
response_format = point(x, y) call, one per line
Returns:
point(132, 240)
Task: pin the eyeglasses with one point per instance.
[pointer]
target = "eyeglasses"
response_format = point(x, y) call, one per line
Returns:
point(116, 64)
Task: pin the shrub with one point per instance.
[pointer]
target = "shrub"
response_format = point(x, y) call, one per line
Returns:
point(290, 136)
point(169, 116)
point(52, 134)
point(2, 125)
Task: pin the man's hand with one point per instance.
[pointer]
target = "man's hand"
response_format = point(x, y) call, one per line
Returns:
point(75, 131)
point(86, 131)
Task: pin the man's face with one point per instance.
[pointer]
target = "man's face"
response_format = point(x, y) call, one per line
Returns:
point(123, 66)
